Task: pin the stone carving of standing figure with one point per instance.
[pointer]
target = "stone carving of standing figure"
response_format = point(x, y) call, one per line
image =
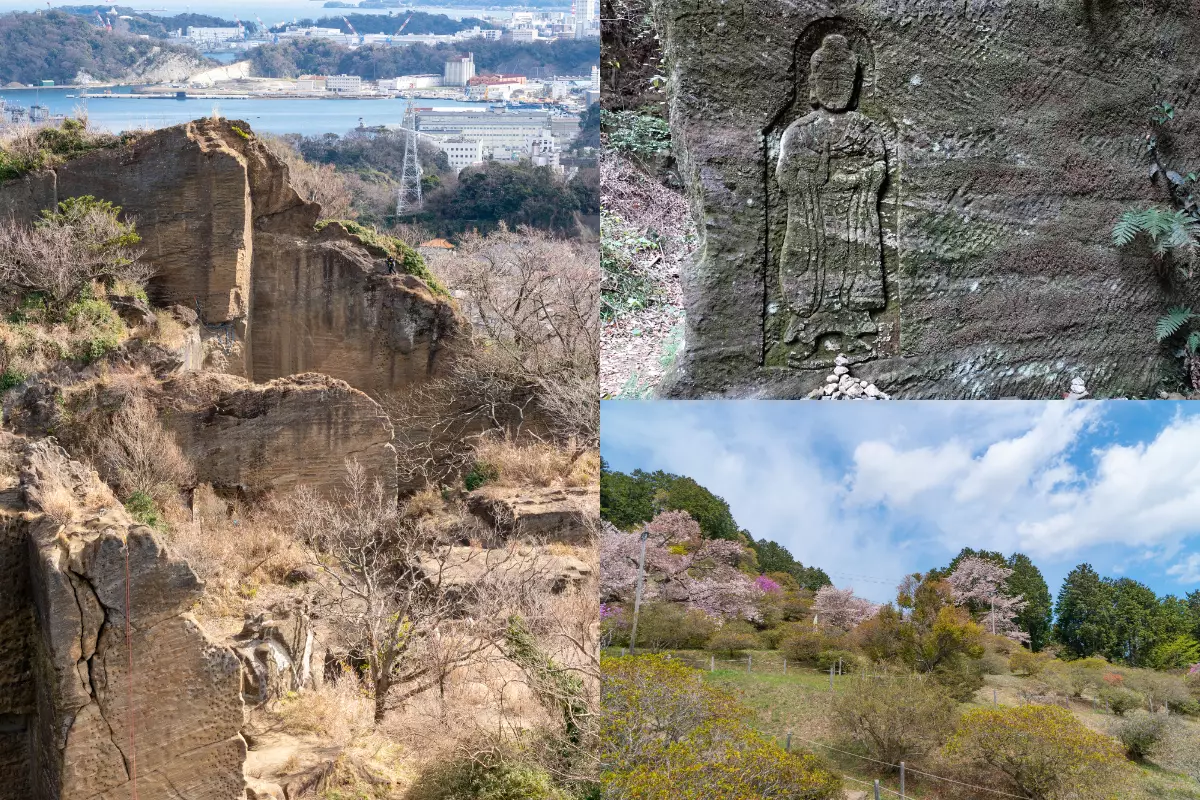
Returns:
point(832, 165)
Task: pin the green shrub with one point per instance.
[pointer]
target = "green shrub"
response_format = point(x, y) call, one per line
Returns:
point(1025, 662)
point(11, 377)
point(625, 284)
point(465, 779)
point(1141, 732)
point(733, 638)
point(1045, 752)
point(960, 676)
point(480, 474)
point(896, 718)
point(804, 647)
point(143, 509)
point(1120, 700)
point(100, 325)
point(849, 661)
point(670, 626)
point(724, 760)
point(642, 136)
point(408, 260)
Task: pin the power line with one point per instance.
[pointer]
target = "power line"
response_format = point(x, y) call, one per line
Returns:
point(895, 767)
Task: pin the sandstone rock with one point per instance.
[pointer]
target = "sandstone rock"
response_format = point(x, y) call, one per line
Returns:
point(102, 593)
point(230, 238)
point(979, 173)
point(465, 566)
point(555, 514)
point(277, 436)
point(257, 789)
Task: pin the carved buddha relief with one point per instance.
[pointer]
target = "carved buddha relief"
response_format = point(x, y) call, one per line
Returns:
point(831, 167)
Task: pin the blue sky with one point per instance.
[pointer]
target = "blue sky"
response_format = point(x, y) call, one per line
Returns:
point(870, 491)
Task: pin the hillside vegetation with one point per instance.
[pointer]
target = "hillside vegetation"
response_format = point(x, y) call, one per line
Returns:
point(974, 673)
point(57, 46)
point(292, 58)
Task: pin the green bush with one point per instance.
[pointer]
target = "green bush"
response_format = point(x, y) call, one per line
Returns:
point(626, 285)
point(1120, 700)
point(408, 260)
point(465, 779)
point(100, 325)
point(1141, 732)
point(733, 638)
point(804, 647)
point(11, 377)
point(826, 659)
point(896, 718)
point(143, 509)
point(960, 676)
point(670, 626)
point(642, 136)
point(480, 474)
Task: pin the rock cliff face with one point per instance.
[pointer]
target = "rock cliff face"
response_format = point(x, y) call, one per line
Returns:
point(927, 187)
point(254, 438)
point(228, 235)
point(107, 680)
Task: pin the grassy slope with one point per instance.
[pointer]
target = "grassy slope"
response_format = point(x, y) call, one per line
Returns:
point(799, 702)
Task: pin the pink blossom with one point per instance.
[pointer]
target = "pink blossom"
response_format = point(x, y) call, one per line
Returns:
point(766, 585)
point(840, 608)
point(981, 583)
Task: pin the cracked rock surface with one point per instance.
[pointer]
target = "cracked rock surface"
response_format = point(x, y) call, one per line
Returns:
point(117, 678)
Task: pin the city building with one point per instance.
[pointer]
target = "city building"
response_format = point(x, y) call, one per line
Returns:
point(523, 34)
point(212, 36)
point(461, 153)
point(405, 82)
point(459, 71)
point(543, 152)
point(596, 78)
point(512, 129)
point(344, 84)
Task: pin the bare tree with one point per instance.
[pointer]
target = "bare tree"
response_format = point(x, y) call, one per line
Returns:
point(138, 455)
point(316, 183)
point(414, 608)
point(531, 368)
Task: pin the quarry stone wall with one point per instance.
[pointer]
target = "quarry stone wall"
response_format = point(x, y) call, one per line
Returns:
point(928, 187)
point(107, 678)
point(228, 235)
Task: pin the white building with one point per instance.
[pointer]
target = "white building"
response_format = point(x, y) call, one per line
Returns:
point(462, 153)
point(596, 78)
point(544, 153)
point(213, 35)
point(459, 71)
point(344, 84)
point(514, 129)
point(406, 82)
point(523, 34)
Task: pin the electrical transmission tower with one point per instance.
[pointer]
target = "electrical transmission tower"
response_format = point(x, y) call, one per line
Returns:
point(408, 198)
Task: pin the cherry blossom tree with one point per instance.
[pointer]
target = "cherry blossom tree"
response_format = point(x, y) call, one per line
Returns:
point(704, 576)
point(841, 608)
point(674, 527)
point(979, 584)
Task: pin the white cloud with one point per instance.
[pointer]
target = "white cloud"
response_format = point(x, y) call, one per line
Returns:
point(1188, 570)
point(903, 487)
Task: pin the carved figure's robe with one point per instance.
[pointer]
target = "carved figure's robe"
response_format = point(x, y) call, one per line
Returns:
point(832, 167)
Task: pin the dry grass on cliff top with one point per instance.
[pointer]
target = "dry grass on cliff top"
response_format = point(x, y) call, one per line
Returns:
point(638, 346)
point(537, 464)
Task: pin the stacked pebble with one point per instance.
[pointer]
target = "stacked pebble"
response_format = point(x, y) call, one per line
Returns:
point(841, 385)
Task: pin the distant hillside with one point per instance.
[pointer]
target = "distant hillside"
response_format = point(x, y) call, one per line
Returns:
point(289, 59)
point(57, 46)
point(421, 22)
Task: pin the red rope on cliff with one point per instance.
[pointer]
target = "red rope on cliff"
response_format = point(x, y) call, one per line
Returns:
point(132, 710)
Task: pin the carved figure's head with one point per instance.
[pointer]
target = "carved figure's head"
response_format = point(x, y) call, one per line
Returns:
point(833, 74)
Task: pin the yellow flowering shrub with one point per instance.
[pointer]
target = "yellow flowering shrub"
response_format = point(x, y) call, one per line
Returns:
point(1044, 751)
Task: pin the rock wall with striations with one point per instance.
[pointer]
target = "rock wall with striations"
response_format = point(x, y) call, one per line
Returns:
point(928, 187)
point(109, 681)
point(253, 439)
point(227, 234)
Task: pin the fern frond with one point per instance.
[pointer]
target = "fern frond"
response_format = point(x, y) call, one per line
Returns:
point(1157, 223)
point(1169, 325)
point(1127, 227)
point(1193, 342)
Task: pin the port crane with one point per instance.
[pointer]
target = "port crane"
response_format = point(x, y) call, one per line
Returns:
point(103, 22)
point(353, 32)
point(400, 30)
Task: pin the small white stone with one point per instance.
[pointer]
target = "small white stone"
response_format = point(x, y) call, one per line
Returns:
point(854, 391)
point(841, 360)
point(862, 384)
point(840, 370)
point(871, 391)
point(830, 389)
point(831, 379)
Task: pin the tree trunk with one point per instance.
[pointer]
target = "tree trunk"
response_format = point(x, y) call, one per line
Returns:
point(382, 686)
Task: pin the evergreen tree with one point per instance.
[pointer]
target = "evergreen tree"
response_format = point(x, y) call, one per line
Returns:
point(1083, 613)
point(1136, 622)
point(1037, 615)
point(625, 500)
